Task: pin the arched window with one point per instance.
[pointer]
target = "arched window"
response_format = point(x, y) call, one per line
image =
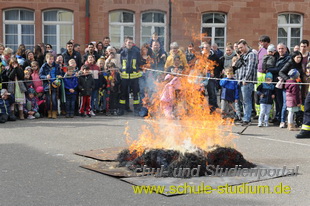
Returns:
point(213, 28)
point(151, 22)
point(18, 28)
point(57, 28)
point(122, 24)
point(290, 29)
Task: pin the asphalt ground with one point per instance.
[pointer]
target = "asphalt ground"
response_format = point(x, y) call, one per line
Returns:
point(38, 165)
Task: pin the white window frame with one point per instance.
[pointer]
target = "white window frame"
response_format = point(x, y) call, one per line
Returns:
point(19, 25)
point(290, 26)
point(57, 23)
point(122, 25)
point(213, 26)
point(153, 25)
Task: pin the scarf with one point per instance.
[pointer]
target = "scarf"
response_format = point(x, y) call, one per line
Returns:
point(228, 59)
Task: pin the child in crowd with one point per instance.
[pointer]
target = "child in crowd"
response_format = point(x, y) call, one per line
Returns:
point(269, 60)
point(5, 107)
point(94, 69)
point(104, 92)
point(60, 62)
point(31, 108)
point(171, 90)
point(293, 98)
point(27, 78)
point(230, 94)
point(176, 64)
point(113, 79)
point(72, 63)
point(16, 87)
point(36, 81)
point(86, 85)
point(41, 100)
point(71, 85)
point(62, 96)
point(155, 37)
point(266, 92)
point(48, 73)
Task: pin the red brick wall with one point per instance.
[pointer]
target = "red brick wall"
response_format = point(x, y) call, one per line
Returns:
point(246, 19)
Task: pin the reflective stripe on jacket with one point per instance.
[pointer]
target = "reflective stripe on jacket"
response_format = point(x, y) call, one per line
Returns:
point(130, 60)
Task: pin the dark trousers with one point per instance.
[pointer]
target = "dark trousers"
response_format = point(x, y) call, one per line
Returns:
point(114, 99)
point(306, 120)
point(279, 103)
point(4, 118)
point(70, 103)
point(211, 88)
point(77, 105)
point(42, 109)
point(126, 86)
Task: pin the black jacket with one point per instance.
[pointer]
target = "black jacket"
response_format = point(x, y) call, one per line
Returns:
point(16, 72)
point(86, 84)
point(287, 67)
point(158, 63)
point(130, 60)
point(217, 66)
point(267, 90)
point(75, 55)
point(96, 56)
point(281, 61)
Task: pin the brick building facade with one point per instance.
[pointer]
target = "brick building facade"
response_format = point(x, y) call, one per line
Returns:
point(57, 21)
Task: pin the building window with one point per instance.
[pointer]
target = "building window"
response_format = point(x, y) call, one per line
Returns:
point(57, 28)
point(290, 29)
point(122, 24)
point(153, 22)
point(213, 28)
point(18, 28)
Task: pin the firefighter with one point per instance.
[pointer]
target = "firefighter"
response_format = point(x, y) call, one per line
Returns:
point(130, 60)
point(305, 128)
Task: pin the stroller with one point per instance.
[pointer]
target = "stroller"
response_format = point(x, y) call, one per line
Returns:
point(299, 117)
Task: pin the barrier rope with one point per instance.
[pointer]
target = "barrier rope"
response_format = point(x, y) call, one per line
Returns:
point(165, 72)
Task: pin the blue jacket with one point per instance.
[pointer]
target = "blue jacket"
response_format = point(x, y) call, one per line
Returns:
point(71, 83)
point(53, 71)
point(267, 90)
point(5, 106)
point(230, 90)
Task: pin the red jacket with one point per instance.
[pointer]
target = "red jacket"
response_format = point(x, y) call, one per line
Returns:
point(293, 95)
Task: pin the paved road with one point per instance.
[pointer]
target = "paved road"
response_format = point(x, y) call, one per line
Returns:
point(38, 167)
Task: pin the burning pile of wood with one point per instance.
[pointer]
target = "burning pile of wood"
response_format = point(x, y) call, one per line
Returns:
point(171, 160)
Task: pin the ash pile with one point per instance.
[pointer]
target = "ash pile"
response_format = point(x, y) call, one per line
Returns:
point(172, 162)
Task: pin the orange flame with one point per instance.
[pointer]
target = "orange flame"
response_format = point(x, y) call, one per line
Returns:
point(190, 126)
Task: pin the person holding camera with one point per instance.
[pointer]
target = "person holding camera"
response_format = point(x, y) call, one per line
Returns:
point(112, 57)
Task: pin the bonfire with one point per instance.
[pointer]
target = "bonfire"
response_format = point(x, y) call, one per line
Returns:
point(192, 136)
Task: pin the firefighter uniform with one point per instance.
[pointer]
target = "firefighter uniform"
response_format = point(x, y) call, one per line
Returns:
point(305, 128)
point(130, 60)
